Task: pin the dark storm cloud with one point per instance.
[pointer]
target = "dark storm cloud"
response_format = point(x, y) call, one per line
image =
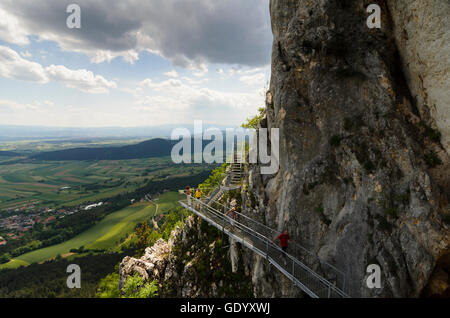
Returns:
point(184, 31)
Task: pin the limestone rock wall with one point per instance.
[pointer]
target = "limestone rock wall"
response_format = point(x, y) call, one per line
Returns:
point(422, 33)
point(362, 180)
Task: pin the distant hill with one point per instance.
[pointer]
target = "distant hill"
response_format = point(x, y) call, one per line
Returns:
point(148, 149)
point(151, 148)
point(8, 132)
point(8, 154)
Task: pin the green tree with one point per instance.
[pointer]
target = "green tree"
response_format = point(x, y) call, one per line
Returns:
point(5, 258)
point(253, 122)
point(214, 179)
point(136, 288)
point(149, 290)
point(109, 287)
point(142, 234)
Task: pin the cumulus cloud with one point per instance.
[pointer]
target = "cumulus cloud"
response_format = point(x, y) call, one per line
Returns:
point(201, 70)
point(16, 106)
point(13, 66)
point(185, 100)
point(11, 30)
point(172, 73)
point(26, 54)
point(187, 32)
point(253, 79)
point(82, 79)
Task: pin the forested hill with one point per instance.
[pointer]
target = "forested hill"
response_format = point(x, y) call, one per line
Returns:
point(151, 148)
point(8, 154)
point(147, 149)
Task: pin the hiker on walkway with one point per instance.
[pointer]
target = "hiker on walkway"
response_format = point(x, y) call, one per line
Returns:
point(198, 193)
point(198, 196)
point(284, 242)
point(188, 194)
point(231, 213)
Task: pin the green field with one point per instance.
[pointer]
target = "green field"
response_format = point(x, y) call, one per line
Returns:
point(40, 145)
point(104, 235)
point(41, 183)
point(14, 263)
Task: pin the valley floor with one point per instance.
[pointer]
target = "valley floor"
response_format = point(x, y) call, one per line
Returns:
point(106, 234)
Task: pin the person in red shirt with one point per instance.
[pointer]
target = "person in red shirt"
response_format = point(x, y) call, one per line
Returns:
point(284, 243)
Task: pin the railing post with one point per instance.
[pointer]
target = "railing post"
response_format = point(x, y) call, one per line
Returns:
point(293, 268)
point(329, 291)
point(182, 222)
point(293, 273)
point(343, 284)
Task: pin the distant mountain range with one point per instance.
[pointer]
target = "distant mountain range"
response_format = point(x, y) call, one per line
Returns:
point(41, 132)
point(8, 154)
point(151, 148)
point(157, 147)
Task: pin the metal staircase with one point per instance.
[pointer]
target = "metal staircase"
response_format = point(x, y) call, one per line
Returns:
point(236, 168)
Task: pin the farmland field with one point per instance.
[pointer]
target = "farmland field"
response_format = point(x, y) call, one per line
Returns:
point(68, 183)
point(36, 192)
point(106, 234)
point(29, 146)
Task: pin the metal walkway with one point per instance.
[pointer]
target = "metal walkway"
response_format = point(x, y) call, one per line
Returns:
point(258, 238)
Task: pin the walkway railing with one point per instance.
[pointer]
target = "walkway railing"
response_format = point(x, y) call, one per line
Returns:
point(310, 259)
point(259, 238)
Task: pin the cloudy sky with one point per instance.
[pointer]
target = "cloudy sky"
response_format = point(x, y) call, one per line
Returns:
point(133, 62)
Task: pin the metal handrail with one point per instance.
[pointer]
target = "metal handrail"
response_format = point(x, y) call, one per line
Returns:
point(235, 224)
point(275, 233)
point(261, 237)
point(270, 241)
point(269, 244)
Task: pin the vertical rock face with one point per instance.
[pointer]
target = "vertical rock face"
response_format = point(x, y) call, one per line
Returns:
point(364, 178)
point(421, 30)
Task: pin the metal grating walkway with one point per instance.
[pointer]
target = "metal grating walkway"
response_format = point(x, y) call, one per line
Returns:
point(258, 238)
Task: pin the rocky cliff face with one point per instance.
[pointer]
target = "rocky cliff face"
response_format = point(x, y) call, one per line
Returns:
point(421, 30)
point(195, 262)
point(364, 176)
